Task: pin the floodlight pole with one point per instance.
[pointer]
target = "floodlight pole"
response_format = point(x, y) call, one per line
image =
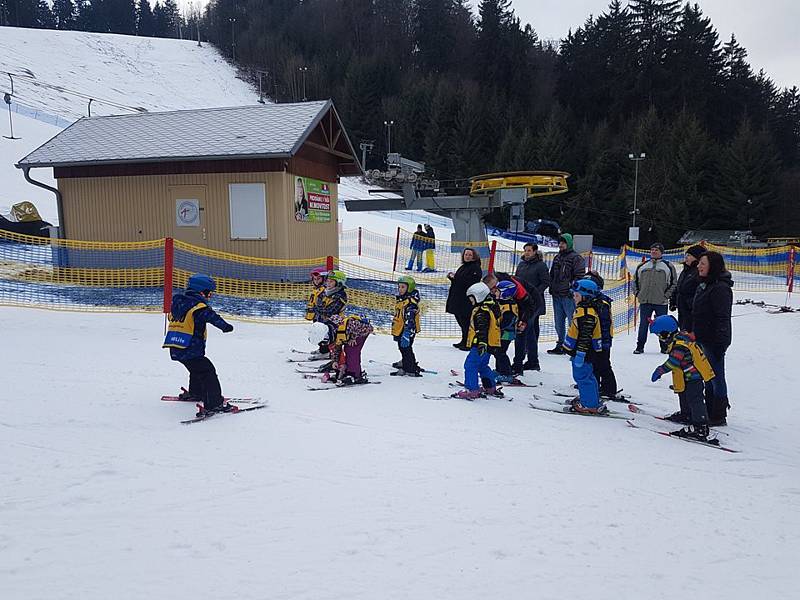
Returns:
point(637, 160)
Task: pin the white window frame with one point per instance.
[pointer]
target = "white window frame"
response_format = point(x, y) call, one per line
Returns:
point(247, 203)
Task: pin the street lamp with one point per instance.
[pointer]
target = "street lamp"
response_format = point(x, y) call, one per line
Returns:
point(388, 125)
point(303, 71)
point(637, 160)
point(233, 37)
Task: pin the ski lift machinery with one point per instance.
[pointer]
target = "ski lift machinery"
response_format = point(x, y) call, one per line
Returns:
point(411, 189)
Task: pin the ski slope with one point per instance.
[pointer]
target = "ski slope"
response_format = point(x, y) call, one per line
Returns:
point(58, 71)
point(375, 492)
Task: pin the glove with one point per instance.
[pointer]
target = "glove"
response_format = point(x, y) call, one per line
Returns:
point(228, 328)
point(656, 375)
point(579, 360)
point(672, 307)
point(483, 348)
point(521, 325)
point(405, 339)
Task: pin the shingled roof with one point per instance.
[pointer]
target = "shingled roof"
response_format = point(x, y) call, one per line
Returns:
point(245, 132)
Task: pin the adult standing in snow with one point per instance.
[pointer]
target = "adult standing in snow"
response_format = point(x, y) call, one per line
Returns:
point(186, 339)
point(430, 260)
point(532, 272)
point(418, 244)
point(683, 295)
point(711, 321)
point(458, 304)
point(653, 284)
point(568, 266)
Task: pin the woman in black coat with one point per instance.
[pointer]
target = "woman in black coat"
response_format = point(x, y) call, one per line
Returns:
point(711, 325)
point(683, 295)
point(458, 304)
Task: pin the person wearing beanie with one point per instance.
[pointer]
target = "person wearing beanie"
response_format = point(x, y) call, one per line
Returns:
point(653, 284)
point(683, 295)
point(568, 266)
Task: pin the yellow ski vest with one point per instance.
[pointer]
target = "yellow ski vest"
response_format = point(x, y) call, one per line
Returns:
point(180, 332)
point(398, 323)
point(493, 334)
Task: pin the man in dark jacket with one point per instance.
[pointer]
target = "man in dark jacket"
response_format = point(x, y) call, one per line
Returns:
point(568, 266)
point(683, 296)
point(186, 340)
point(711, 322)
point(532, 272)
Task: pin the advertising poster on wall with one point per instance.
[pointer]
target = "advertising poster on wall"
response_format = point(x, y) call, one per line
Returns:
point(312, 200)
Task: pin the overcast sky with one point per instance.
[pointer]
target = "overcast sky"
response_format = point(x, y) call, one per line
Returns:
point(767, 28)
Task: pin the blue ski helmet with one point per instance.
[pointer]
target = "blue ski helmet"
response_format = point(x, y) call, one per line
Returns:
point(201, 283)
point(664, 324)
point(585, 287)
point(507, 289)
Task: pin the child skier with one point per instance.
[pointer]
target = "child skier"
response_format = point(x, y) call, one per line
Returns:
point(504, 293)
point(347, 335)
point(483, 339)
point(601, 363)
point(690, 370)
point(186, 340)
point(317, 289)
point(582, 342)
point(331, 301)
point(405, 326)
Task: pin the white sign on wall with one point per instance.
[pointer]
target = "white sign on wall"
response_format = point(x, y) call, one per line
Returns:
point(187, 212)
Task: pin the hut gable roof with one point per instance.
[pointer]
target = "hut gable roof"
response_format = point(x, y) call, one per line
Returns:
point(246, 132)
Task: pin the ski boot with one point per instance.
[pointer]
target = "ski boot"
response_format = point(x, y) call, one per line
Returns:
point(187, 396)
point(507, 379)
point(531, 366)
point(467, 395)
point(398, 364)
point(202, 411)
point(494, 392)
point(577, 407)
point(557, 350)
point(678, 417)
point(696, 432)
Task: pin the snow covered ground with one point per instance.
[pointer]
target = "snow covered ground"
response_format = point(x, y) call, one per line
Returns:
point(59, 71)
point(376, 492)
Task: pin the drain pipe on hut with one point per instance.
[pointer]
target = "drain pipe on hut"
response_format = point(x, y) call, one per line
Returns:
point(59, 198)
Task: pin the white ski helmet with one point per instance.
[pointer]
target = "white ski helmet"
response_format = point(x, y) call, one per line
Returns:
point(479, 291)
point(318, 333)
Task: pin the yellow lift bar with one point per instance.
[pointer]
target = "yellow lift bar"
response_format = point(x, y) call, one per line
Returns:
point(538, 183)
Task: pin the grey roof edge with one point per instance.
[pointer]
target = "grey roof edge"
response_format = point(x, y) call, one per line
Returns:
point(157, 159)
point(22, 164)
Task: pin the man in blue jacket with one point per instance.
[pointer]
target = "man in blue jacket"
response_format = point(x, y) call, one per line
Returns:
point(186, 340)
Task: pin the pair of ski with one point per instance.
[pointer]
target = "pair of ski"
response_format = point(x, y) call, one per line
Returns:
point(566, 408)
point(250, 405)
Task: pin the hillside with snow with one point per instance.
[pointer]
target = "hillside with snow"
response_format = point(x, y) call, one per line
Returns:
point(56, 73)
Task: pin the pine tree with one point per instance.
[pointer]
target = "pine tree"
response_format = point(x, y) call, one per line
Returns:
point(64, 13)
point(655, 23)
point(145, 23)
point(748, 183)
point(121, 15)
point(44, 16)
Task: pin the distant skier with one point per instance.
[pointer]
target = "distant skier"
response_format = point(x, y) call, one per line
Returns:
point(347, 336)
point(601, 363)
point(406, 325)
point(690, 369)
point(186, 340)
point(582, 341)
point(483, 339)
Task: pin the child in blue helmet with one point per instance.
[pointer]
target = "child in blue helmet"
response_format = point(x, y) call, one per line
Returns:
point(690, 370)
point(581, 342)
point(504, 293)
point(601, 362)
point(186, 340)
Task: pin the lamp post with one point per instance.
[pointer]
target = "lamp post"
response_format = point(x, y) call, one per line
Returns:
point(637, 160)
point(233, 37)
point(303, 70)
point(388, 125)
